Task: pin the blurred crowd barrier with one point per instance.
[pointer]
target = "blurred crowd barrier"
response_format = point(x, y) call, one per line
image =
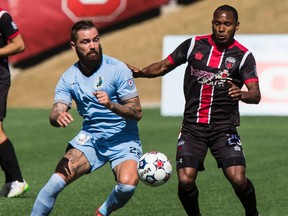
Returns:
point(45, 25)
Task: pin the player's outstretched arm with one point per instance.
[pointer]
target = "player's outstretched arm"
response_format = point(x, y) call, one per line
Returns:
point(154, 70)
point(130, 108)
point(59, 117)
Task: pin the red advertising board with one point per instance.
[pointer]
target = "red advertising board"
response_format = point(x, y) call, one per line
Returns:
point(46, 24)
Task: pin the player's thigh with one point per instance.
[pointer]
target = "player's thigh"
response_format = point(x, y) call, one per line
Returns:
point(124, 156)
point(3, 100)
point(73, 165)
point(3, 106)
point(191, 151)
point(126, 172)
point(227, 149)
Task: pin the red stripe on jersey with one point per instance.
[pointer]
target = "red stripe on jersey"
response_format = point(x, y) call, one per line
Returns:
point(215, 58)
point(251, 80)
point(240, 46)
point(171, 60)
point(200, 37)
point(206, 96)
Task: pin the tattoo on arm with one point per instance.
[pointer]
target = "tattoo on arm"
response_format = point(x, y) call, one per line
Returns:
point(130, 109)
point(57, 109)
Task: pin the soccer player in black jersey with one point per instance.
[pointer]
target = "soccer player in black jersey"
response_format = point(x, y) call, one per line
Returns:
point(11, 43)
point(217, 68)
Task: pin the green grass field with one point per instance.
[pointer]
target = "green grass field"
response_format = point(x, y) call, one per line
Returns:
point(40, 146)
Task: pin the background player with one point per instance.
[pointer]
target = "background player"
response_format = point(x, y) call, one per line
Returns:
point(106, 97)
point(11, 43)
point(218, 67)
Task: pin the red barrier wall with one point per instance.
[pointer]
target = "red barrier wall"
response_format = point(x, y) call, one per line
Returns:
point(45, 24)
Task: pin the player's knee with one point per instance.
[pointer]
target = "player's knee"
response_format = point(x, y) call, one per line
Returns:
point(63, 167)
point(186, 179)
point(186, 183)
point(238, 182)
point(128, 179)
point(236, 176)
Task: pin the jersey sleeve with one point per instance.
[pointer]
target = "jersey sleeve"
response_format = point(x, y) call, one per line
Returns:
point(126, 87)
point(248, 70)
point(7, 26)
point(179, 55)
point(62, 92)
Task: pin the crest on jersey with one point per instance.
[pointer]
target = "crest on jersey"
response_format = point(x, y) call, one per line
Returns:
point(130, 83)
point(98, 82)
point(230, 62)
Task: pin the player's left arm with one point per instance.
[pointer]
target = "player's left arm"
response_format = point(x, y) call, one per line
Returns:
point(249, 75)
point(15, 45)
point(130, 108)
point(251, 96)
point(10, 33)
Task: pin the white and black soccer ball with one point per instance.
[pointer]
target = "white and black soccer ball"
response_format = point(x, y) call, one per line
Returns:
point(154, 168)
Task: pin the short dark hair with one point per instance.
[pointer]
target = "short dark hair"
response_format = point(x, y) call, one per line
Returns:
point(227, 8)
point(80, 25)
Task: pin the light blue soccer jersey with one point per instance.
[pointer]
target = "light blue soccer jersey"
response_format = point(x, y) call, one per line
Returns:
point(113, 77)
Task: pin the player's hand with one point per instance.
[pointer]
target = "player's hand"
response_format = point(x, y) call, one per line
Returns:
point(234, 91)
point(103, 98)
point(134, 70)
point(64, 119)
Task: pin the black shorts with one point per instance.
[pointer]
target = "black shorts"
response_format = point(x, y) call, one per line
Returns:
point(3, 100)
point(222, 140)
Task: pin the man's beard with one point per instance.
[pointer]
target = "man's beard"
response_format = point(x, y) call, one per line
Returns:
point(93, 62)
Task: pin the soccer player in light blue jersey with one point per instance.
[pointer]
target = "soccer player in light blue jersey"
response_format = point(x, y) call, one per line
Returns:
point(106, 97)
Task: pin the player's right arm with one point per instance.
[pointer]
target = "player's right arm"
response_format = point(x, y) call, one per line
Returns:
point(59, 116)
point(177, 57)
point(154, 70)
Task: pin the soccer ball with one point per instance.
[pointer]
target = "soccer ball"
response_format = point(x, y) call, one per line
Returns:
point(154, 168)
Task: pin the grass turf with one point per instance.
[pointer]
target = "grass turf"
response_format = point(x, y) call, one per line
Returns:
point(39, 147)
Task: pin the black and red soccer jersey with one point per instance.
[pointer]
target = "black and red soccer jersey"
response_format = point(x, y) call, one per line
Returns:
point(8, 30)
point(206, 75)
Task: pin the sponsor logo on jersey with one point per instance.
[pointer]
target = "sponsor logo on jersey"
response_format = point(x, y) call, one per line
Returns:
point(209, 78)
